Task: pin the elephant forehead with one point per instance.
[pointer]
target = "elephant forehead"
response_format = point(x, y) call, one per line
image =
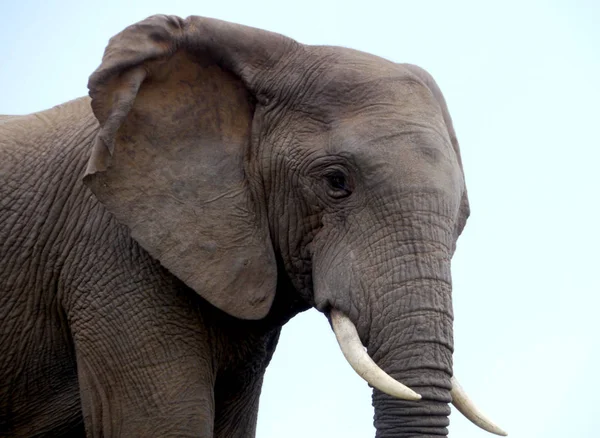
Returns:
point(398, 151)
point(389, 134)
point(334, 82)
point(375, 112)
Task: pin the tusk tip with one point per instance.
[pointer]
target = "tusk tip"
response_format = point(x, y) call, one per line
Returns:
point(465, 406)
point(402, 392)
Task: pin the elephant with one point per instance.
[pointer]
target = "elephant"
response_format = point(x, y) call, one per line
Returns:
point(218, 180)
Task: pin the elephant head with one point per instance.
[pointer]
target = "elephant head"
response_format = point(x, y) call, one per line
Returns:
point(243, 160)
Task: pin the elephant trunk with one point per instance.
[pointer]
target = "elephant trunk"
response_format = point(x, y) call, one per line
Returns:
point(409, 360)
point(415, 347)
point(398, 280)
point(405, 321)
point(392, 285)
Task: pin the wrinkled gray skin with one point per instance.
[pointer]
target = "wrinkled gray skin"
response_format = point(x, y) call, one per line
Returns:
point(233, 177)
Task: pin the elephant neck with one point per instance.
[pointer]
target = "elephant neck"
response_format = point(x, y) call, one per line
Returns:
point(288, 301)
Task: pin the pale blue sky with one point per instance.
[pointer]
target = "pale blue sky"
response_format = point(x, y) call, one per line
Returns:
point(522, 80)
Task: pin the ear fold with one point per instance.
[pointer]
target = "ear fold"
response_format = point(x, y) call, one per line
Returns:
point(170, 162)
point(437, 94)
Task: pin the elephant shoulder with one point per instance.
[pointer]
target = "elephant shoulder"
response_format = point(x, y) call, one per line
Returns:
point(50, 123)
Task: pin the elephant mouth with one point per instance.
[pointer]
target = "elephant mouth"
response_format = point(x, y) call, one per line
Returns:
point(358, 358)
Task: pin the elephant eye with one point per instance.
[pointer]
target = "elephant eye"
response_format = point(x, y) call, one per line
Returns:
point(337, 184)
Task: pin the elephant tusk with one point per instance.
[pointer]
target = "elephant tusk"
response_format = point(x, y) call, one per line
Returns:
point(461, 401)
point(358, 358)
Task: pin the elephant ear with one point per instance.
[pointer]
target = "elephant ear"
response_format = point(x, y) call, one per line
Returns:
point(428, 80)
point(171, 158)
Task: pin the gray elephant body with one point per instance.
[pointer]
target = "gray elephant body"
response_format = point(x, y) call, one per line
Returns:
point(85, 310)
point(223, 180)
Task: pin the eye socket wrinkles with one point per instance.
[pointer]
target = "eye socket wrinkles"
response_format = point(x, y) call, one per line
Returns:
point(346, 157)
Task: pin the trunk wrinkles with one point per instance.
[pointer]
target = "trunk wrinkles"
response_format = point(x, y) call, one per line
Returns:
point(411, 339)
point(410, 333)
